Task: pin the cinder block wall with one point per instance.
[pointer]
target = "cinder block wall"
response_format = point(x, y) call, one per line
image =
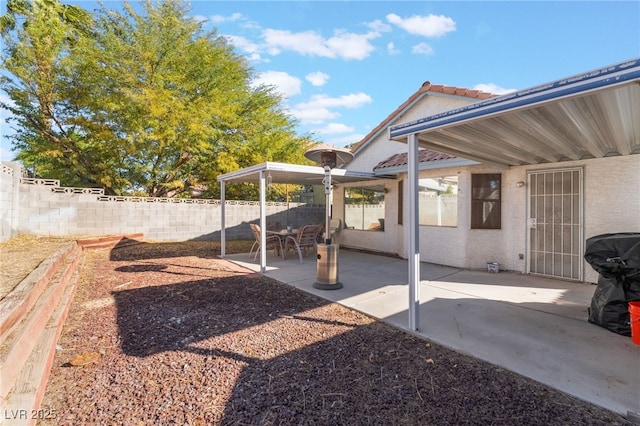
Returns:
point(9, 177)
point(45, 208)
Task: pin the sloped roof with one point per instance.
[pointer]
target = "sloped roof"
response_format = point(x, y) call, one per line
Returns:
point(589, 115)
point(426, 87)
point(399, 160)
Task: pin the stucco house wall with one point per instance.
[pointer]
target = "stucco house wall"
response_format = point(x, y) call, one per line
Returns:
point(607, 206)
point(375, 147)
point(611, 199)
point(379, 147)
point(379, 241)
point(606, 210)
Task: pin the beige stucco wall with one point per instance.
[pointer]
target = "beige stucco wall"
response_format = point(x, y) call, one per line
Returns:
point(392, 239)
point(386, 241)
point(381, 148)
point(611, 196)
point(611, 205)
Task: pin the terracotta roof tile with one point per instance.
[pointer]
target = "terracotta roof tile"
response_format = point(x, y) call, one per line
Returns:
point(426, 87)
point(424, 156)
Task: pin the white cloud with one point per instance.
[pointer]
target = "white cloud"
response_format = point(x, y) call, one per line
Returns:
point(334, 128)
point(317, 78)
point(285, 84)
point(391, 48)
point(344, 140)
point(352, 100)
point(343, 45)
point(250, 48)
point(422, 48)
point(320, 107)
point(493, 88)
point(200, 18)
point(218, 19)
point(378, 26)
point(351, 46)
point(312, 114)
point(427, 26)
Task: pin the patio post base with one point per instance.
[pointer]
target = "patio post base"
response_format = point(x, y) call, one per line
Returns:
point(322, 286)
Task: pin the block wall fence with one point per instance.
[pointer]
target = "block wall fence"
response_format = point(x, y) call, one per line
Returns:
point(42, 207)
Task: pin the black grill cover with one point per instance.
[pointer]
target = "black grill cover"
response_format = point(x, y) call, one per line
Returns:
point(609, 306)
point(614, 252)
point(617, 258)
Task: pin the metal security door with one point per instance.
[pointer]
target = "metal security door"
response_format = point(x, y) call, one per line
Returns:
point(555, 223)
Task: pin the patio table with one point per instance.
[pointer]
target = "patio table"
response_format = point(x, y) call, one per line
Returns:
point(283, 234)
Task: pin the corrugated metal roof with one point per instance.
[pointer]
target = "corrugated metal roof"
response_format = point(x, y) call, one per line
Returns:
point(590, 115)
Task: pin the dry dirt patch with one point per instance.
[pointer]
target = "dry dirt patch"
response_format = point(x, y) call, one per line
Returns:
point(21, 255)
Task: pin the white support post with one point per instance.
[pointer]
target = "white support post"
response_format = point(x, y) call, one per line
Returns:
point(223, 236)
point(263, 224)
point(413, 234)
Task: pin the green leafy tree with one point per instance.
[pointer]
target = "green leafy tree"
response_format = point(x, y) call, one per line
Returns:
point(147, 104)
point(38, 34)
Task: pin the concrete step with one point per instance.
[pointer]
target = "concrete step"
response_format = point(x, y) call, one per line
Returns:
point(28, 344)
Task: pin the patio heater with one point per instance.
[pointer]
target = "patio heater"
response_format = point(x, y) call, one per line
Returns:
point(327, 267)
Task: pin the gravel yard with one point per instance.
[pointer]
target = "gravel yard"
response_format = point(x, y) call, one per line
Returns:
point(169, 334)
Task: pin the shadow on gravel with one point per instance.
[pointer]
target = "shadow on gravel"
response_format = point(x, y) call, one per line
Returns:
point(287, 357)
point(168, 317)
point(143, 250)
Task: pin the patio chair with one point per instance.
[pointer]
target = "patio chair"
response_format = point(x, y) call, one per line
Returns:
point(272, 242)
point(305, 239)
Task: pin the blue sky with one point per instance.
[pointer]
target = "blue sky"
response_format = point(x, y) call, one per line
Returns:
point(343, 66)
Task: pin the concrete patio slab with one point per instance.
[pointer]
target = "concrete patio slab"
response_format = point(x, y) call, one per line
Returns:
point(531, 325)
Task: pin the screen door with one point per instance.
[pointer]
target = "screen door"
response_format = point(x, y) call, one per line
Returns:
point(555, 223)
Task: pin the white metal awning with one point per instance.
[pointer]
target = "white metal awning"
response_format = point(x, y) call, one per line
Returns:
point(592, 115)
point(293, 173)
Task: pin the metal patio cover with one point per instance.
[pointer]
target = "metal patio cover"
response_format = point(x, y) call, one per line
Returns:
point(278, 173)
point(591, 115)
point(294, 174)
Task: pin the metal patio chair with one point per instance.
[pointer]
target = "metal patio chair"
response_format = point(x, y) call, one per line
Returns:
point(305, 239)
point(272, 242)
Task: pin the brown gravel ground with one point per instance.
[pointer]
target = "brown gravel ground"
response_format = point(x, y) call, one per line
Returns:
point(171, 335)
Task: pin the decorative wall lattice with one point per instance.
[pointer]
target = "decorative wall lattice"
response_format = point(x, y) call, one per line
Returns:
point(7, 170)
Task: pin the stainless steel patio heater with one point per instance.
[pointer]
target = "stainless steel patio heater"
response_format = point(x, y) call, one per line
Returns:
point(328, 157)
